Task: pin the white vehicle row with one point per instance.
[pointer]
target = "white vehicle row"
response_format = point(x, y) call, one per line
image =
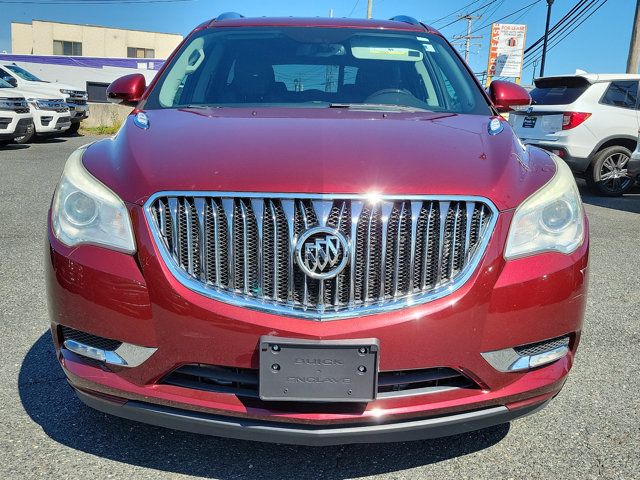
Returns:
point(589, 120)
point(30, 106)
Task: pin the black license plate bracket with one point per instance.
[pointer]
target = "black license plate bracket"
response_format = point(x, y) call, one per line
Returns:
point(317, 370)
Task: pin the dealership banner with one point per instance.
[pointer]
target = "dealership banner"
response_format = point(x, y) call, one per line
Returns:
point(506, 50)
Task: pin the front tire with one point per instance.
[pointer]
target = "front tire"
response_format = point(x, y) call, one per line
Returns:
point(27, 137)
point(607, 174)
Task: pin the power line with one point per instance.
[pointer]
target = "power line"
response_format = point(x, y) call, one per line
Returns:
point(488, 24)
point(559, 23)
point(453, 13)
point(523, 14)
point(355, 5)
point(555, 32)
point(495, 9)
point(487, 14)
point(482, 7)
point(570, 31)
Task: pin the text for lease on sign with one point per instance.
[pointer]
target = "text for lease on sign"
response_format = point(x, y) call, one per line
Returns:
point(506, 50)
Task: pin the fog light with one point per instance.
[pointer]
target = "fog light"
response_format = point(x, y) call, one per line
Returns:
point(126, 355)
point(528, 356)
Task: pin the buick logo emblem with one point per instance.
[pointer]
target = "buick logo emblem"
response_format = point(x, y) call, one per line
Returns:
point(322, 252)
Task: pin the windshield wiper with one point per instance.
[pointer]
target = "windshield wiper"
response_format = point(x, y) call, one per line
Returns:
point(379, 106)
point(200, 106)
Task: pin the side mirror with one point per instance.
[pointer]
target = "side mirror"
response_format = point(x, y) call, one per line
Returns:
point(127, 90)
point(506, 95)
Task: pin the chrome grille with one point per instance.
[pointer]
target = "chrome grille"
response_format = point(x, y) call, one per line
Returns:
point(55, 105)
point(17, 104)
point(239, 248)
point(76, 97)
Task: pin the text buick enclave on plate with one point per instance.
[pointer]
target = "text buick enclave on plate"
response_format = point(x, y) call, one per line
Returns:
point(316, 231)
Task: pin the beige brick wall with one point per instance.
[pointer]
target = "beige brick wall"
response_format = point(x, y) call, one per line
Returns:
point(38, 37)
point(21, 38)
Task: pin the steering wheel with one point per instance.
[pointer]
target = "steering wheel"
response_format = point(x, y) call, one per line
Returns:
point(388, 91)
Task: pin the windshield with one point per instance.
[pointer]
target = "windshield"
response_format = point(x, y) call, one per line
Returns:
point(323, 67)
point(22, 73)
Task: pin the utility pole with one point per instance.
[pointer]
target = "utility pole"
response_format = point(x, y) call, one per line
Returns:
point(369, 8)
point(466, 39)
point(546, 38)
point(634, 44)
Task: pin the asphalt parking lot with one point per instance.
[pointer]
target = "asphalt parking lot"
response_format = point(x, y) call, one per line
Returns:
point(591, 430)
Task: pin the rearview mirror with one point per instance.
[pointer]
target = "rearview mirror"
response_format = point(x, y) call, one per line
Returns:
point(507, 95)
point(127, 90)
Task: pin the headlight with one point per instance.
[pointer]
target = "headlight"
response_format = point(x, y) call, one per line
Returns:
point(551, 219)
point(77, 94)
point(9, 103)
point(86, 211)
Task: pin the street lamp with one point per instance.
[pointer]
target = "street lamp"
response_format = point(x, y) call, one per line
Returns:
point(546, 35)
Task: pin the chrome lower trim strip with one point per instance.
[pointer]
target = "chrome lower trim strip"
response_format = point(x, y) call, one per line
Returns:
point(126, 355)
point(358, 201)
point(508, 359)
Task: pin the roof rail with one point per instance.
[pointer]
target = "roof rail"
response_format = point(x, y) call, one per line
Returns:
point(228, 16)
point(405, 19)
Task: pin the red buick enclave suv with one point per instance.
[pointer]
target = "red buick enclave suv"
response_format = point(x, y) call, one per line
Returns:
point(316, 231)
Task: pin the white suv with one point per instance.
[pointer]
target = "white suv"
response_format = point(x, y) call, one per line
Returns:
point(49, 116)
point(75, 99)
point(589, 120)
point(15, 116)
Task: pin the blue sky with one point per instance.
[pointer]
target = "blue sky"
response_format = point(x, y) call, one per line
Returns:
point(598, 45)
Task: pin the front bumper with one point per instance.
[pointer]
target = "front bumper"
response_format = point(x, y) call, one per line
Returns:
point(50, 121)
point(136, 300)
point(300, 434)
point(78, 112)
point(15, 127)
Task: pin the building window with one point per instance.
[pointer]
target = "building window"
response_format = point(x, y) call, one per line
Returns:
point(62, 47)
point(133, 52)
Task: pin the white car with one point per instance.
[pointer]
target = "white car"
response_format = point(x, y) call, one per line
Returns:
point(49, 116)
point(76, 99)
point(15, 116)
point(590, 121)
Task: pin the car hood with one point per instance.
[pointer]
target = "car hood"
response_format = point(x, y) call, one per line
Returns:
point(318, 151)
point(47, 88)
point(10, 93)
point(38, 94)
